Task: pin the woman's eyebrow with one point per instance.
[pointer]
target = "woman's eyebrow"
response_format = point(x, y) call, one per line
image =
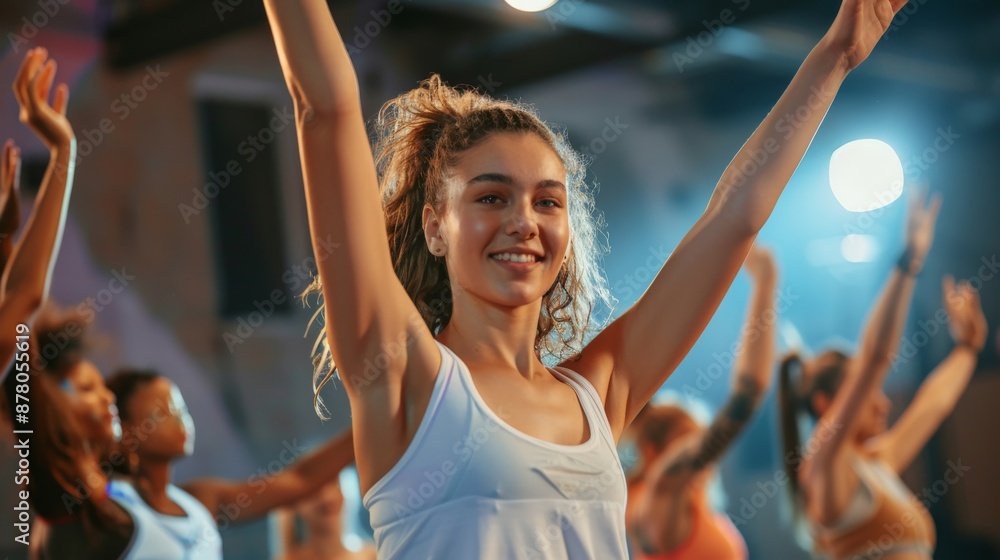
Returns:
point(491, 178)
point(508, 180)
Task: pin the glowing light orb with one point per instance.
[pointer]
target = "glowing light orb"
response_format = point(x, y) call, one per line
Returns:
point(859, 248)
point(531, 5)
point(866, 175)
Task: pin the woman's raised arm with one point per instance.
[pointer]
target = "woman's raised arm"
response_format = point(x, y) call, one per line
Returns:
point(378, 340)
point(366, 306)
point(647, 342)
point(940, 392)
point(25, 282)
point(10, 208)
point(751, 372)
point(257, 497)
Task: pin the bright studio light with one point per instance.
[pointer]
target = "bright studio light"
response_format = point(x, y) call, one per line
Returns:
point(531, 5)
point(859, 248)
point(866, 175)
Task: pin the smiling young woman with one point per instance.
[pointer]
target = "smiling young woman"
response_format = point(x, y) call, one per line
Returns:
point(437, 341)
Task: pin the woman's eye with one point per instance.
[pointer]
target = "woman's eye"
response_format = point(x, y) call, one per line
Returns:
point(489, 196)
point(554, 203)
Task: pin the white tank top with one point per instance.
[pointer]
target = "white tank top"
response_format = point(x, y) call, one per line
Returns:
point(469, 486)
point(168, 537)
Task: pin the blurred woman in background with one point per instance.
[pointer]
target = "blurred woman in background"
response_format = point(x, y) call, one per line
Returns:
point(669, 515)
point(70, 414)
point(845, 485)
point(314, 528)
point(157, 431)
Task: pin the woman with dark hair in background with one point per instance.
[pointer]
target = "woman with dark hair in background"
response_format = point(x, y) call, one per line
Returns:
point(70, 415)
point(440, 331)
point(75, 428)
point(157, 431)
point(669, 515)
point(846, 488)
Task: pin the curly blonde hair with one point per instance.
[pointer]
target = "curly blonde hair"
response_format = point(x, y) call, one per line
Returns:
point(419, 135)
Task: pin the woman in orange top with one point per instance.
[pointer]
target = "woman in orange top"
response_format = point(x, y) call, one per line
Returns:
point(668, 513)
point(845, 480)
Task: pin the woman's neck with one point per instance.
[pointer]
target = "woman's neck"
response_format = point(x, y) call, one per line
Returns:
point(487, 334)
point(151, 482)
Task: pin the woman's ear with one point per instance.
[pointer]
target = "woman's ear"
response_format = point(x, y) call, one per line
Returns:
point(432, 231)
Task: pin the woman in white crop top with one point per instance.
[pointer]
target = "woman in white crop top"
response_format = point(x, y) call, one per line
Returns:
point(157, 431)
point(462, 253)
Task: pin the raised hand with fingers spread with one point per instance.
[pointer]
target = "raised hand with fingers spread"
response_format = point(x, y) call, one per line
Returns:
point(965, 314)
point(32, 87)
point(920, 220)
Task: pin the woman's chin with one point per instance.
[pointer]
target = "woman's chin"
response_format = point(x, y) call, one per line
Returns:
point(517, 294)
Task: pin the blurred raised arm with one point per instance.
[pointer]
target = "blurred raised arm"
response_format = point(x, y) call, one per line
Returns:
point(939, 393)
point(752, 371)
point(25, 282)
point(10, 211)
point(258, 496)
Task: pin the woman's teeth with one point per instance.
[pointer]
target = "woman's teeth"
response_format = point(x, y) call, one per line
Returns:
point(515, 257)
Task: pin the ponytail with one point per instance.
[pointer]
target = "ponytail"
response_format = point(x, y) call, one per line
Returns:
point(789, 406)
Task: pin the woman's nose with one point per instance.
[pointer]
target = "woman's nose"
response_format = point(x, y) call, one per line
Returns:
point(522, 220)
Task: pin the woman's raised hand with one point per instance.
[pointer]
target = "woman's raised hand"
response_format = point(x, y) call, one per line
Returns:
point(920, 220)
point(31, 88)
point(965, 314)
point(859, 26)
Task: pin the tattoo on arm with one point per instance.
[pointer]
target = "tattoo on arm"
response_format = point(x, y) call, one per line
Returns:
point(726, 426)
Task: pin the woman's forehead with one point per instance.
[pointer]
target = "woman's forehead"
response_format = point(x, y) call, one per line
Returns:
point(85, 371)
point(521, 156)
